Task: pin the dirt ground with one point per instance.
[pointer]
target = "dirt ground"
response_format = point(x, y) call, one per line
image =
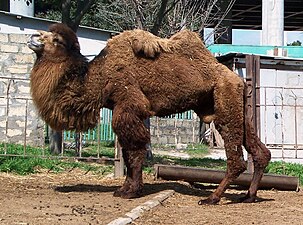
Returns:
point(78, 198)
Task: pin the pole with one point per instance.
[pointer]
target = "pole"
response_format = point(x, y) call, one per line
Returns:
point(273, 22)
point(119, 162)
point(190, 174)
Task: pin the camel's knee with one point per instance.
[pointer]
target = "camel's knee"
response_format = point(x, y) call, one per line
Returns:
point(235, 161)
point(235, 167)
point(260, 154)
point(130, 129)
point(262, 159)
point(134, 158)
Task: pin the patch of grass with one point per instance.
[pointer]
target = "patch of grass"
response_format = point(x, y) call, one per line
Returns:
point(33, 162)
point(17, 149)
point(192, 162)
point(105, 150)
point(24, 166)
point(92, 151)
point(283, 168)
point(197, 150)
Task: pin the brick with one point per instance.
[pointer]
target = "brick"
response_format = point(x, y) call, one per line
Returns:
point(25, 49)
point(17, 111)
point(3, 37)
point(13, 132)
point(23, 89)
point(9, 48)
point(20, 124)
point(18, 69)
point(4, 56)
point(2, 123)
point(24, 58)
point(2, 111)
point(18, 38)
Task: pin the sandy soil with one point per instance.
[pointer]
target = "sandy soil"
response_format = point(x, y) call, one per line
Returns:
point(78, 198)
point(273, 208)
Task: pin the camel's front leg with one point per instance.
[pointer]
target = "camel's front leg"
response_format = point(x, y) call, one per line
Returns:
point(133, 184)
point(133, 136)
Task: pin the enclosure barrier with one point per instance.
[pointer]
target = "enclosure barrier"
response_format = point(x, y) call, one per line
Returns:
point(190, 174)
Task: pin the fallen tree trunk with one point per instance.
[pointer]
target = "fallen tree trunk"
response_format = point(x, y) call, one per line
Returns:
point(190, 174)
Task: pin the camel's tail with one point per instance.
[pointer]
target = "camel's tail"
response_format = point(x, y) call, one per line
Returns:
point(252, 143)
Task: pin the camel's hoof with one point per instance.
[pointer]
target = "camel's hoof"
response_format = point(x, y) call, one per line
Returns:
point(127, 195)
point(248, 199)
point(117, 193)
point(208, 201)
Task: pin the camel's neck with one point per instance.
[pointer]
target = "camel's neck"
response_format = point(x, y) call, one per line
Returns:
point(65, 93)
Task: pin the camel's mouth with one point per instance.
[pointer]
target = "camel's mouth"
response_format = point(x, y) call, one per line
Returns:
point(35, 43)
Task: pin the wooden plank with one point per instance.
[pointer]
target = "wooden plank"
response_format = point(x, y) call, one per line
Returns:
point(119, 162)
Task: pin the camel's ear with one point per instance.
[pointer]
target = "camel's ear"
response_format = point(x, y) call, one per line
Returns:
point(76, 46)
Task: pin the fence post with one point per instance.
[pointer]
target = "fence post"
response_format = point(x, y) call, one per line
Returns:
point(119, 161)
point(252, 64)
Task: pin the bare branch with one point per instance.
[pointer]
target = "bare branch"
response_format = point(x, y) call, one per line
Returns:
point(82, 8)
point(139, 13)
point(159, 18)
point(66, 7)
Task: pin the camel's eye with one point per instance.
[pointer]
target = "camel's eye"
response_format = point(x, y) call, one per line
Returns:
point(58, 41)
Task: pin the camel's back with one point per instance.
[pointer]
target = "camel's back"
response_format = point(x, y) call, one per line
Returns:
point(144, 44)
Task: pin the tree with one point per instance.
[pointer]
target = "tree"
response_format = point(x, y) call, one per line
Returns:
point(161, 17)
point(72, 18)
point(295, 43)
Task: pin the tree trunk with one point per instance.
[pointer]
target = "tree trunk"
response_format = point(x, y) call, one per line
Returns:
point(55, 139)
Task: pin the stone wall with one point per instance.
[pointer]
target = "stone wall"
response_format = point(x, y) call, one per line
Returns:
point(18, 119)
point(173, 131)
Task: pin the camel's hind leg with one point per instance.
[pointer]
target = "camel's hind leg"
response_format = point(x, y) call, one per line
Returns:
point(261, 156)
point(229, 118)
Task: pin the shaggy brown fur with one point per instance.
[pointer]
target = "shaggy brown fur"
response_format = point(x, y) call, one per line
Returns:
point(139, 75)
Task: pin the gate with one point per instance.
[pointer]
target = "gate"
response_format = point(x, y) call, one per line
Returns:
point(276, 101)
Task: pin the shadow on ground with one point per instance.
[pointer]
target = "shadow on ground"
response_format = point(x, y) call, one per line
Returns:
point(202, 191)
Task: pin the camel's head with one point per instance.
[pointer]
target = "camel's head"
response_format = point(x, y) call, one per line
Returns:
point(59, 40)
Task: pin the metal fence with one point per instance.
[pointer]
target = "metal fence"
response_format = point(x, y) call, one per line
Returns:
point(281, 119)
point(102, 132)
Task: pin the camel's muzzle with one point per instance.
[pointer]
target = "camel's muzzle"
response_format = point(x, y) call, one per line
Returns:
point(34, 43)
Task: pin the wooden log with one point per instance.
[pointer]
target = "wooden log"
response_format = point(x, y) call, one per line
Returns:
point(190, 174)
